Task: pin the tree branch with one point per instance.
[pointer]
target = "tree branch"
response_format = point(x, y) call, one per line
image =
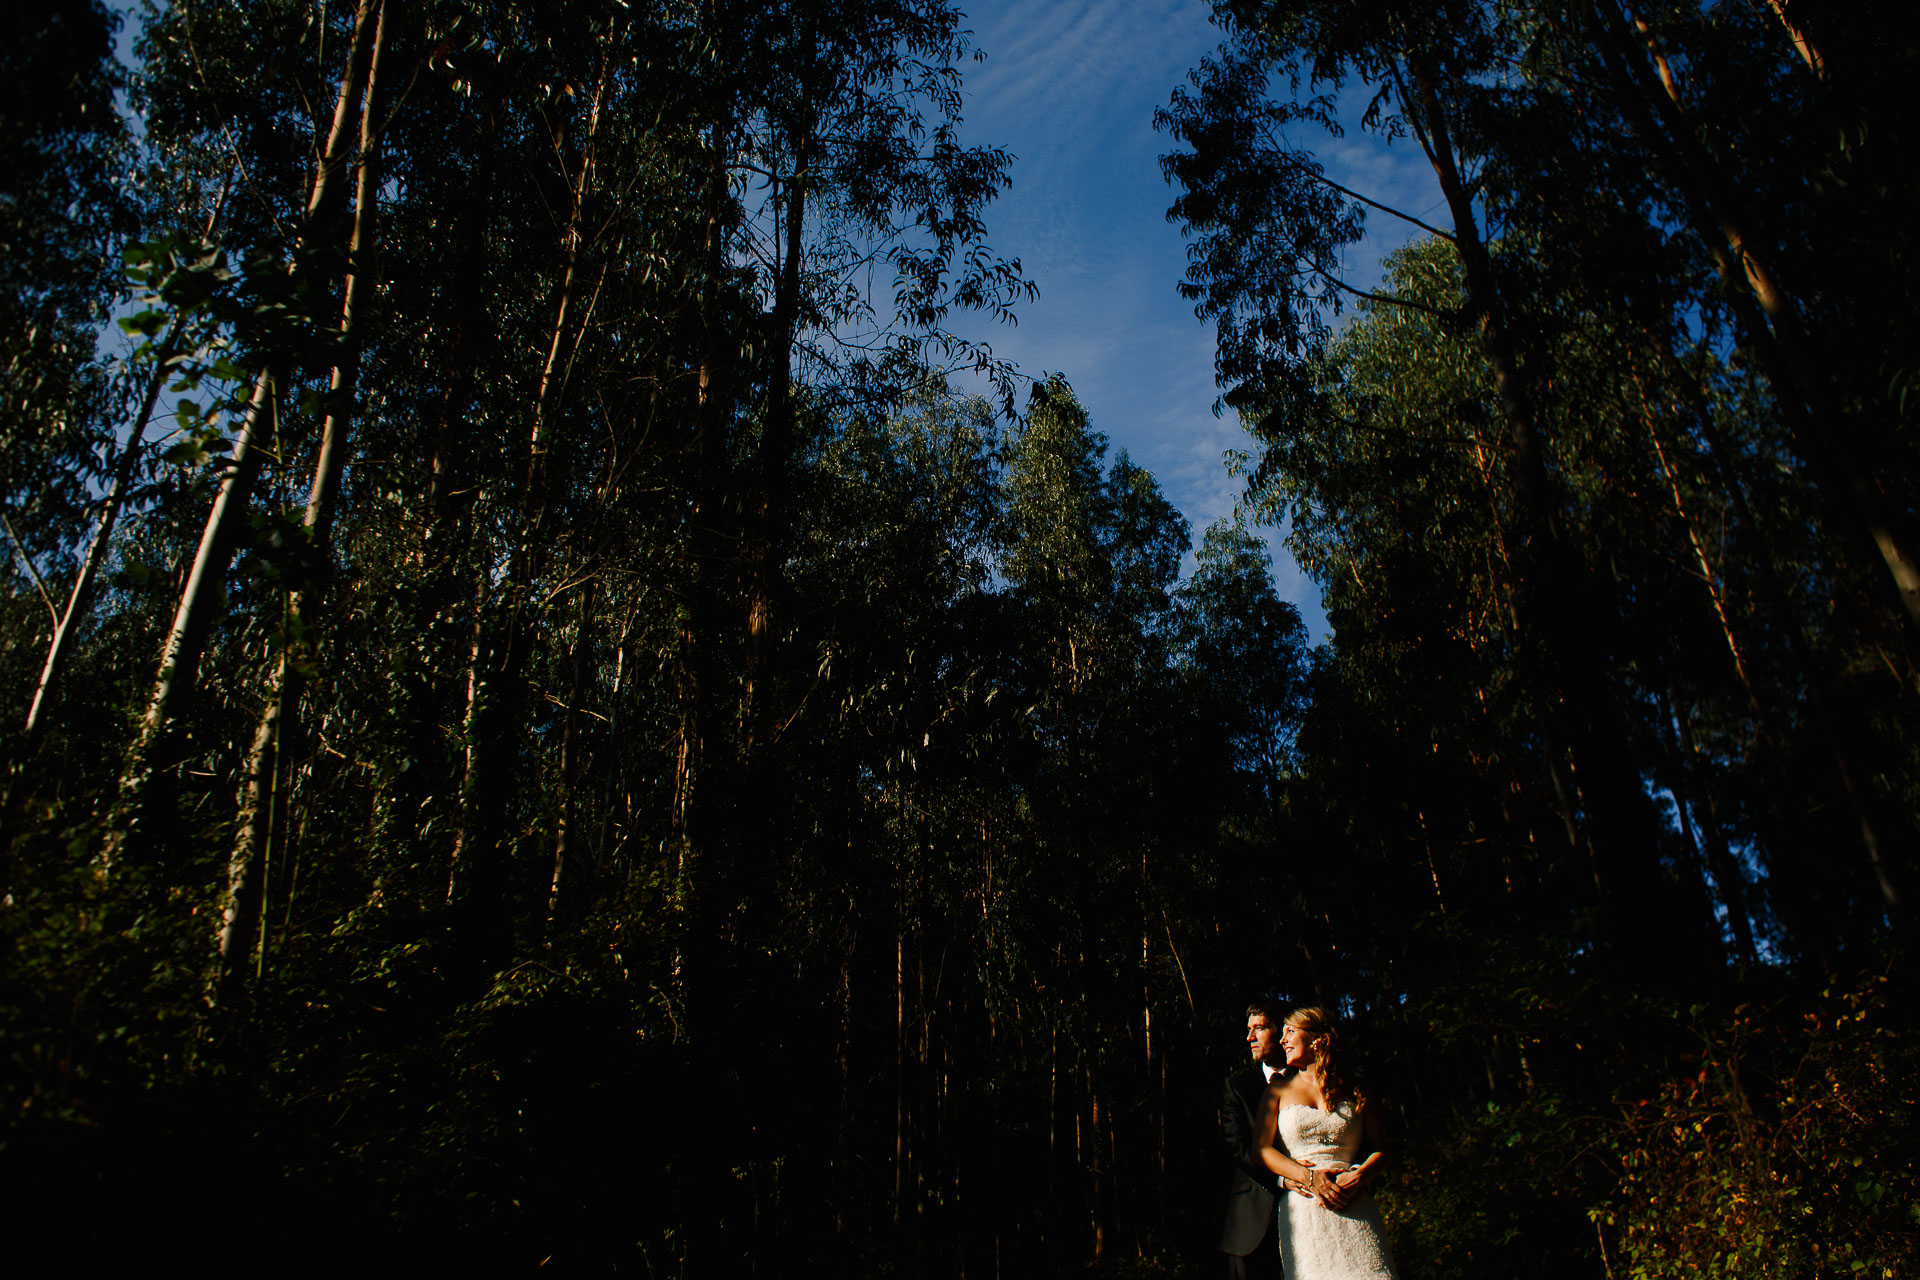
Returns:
point(1408, 303)
point(1369, 201)
point(1388, 209)
point(32, 572)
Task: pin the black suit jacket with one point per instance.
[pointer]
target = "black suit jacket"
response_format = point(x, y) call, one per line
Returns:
point(1253, 1187)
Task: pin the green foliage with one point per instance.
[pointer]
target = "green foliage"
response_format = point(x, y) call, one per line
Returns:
point(1789, 1152)
point(64, 209)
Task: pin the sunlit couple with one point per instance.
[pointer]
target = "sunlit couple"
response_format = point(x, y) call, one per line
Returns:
point(1306, 1147)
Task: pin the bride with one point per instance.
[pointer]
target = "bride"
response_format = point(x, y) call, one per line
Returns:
point(1314, 1129)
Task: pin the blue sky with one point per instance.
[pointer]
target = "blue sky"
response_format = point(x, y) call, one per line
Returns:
point(1070, 87)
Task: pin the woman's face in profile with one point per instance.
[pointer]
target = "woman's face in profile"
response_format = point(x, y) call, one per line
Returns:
point(1293, 1042)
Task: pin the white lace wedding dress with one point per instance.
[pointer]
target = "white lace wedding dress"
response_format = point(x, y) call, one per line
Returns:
point(1318, 1243)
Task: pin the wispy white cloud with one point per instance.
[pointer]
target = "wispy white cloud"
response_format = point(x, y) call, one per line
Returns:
point(1071, 88)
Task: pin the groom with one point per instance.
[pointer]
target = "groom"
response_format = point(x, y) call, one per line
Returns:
point(1247, 1239)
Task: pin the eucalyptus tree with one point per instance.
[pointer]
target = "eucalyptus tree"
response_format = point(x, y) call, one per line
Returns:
point(851, 122)
point(1114, 793)
point(1654, 102)
point(1245, 648)
point(895, 761)
point(569, 378)
point(1780, 226)
point(1271, 225)
point(1778, 222)
point(1397, 493)
point(261, 799)
point(283, 331)
point(835, 162)
point(66, 203)
point(1552, 135)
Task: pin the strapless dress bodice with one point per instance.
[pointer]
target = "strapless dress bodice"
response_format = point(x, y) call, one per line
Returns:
point(1318, 1243)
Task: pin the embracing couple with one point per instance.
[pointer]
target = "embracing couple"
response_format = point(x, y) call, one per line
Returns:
point(1306, 1148)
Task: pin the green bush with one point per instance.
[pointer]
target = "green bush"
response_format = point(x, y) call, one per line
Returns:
point(1789, 1152)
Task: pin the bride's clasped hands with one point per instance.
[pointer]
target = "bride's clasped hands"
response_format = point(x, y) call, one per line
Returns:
point(1335, 1187)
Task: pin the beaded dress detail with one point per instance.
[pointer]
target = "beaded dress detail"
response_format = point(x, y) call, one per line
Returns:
point(1318, 1243)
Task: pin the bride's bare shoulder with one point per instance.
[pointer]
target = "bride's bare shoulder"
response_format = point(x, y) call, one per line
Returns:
point(1288, 1086)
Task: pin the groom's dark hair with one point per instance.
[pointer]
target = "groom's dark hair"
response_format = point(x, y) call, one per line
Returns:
point(1269, 1008)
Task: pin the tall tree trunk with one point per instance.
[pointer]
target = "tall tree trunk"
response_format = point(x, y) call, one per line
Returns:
point(766, 544)
point(156, 745)
point(1532, 558)
point(565, 839)
point(1802, 44)
point(1854, 495)
point(697, 665)
point(445, 534)
point(603, 847)
point(464, 862)
point(495, 689)
point(899, 1066)
point(1558, 625)
point(1769, 325)
point(1709, 574)
point(1726, 871)
point(145, 795)
point(1819, 697)
point(258, 822)
point(1099, 1166)
point(81, 597)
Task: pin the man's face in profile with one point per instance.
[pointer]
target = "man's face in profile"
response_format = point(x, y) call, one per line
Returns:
point(1263, 1039)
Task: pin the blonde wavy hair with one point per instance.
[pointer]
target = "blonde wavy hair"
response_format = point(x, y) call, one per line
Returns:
point(1323, 1037)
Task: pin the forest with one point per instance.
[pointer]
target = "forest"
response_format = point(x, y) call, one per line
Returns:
point(569, 714)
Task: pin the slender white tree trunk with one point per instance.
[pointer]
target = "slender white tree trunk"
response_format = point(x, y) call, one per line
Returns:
point(259, 819)
point(79, 599)
point(193, 620)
